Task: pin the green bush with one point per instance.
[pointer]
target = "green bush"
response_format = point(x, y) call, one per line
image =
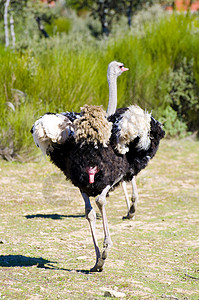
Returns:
point(172, 125)
point(182, 94)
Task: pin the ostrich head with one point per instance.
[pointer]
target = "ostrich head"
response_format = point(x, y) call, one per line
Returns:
point(115, 69)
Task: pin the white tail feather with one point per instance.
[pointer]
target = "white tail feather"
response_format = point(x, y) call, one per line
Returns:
point(51, 128)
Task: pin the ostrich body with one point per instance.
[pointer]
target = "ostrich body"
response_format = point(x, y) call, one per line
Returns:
point(97, 152)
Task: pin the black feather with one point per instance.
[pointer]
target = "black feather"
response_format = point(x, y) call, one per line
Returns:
point(73, 160)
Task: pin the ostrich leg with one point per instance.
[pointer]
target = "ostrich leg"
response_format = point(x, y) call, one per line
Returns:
point(91, 217)
point(101, 202)
point(131, 208)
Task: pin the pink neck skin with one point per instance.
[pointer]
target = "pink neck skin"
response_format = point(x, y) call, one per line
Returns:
point(91, 173)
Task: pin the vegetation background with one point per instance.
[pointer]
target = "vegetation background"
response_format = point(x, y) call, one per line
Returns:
point(68, 69)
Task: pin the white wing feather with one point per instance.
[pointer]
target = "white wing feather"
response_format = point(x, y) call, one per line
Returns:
point(135, 122)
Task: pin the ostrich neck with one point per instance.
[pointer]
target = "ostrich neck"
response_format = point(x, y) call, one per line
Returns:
point(112, 104)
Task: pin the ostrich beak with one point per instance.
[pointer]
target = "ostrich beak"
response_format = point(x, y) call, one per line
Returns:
point(124, 69)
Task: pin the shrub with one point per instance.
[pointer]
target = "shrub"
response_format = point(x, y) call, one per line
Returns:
point(182, 94)
point(172, 125)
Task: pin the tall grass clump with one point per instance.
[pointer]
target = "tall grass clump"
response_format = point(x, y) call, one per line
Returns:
point(67, 71)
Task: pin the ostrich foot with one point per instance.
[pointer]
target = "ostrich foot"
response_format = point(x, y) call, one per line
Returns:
point(98, 267)
point(131, 213)
point(129, 217)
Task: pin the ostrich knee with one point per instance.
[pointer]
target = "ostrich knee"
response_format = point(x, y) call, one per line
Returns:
point(101, 202)
point(90, 215)
point(101, 199)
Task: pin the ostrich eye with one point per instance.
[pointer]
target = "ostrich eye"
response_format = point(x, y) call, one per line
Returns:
point(121, 66)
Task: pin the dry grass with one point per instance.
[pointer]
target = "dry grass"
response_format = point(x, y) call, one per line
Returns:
point(46, 246)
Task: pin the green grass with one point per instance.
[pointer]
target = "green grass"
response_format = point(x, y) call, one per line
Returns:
point(63, 73)
point(45, 238)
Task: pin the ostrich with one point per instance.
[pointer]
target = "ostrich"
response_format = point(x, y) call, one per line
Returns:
point(97, 153)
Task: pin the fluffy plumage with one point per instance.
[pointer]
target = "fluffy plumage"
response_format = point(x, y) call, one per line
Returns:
point(51, 128)
point(92, 126)
point(135, 122)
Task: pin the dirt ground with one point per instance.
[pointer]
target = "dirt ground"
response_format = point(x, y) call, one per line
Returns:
point(46, 249)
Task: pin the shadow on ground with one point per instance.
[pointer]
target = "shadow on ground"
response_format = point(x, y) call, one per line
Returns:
point(25, 261)
point(53, 216)
point(22, 261)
